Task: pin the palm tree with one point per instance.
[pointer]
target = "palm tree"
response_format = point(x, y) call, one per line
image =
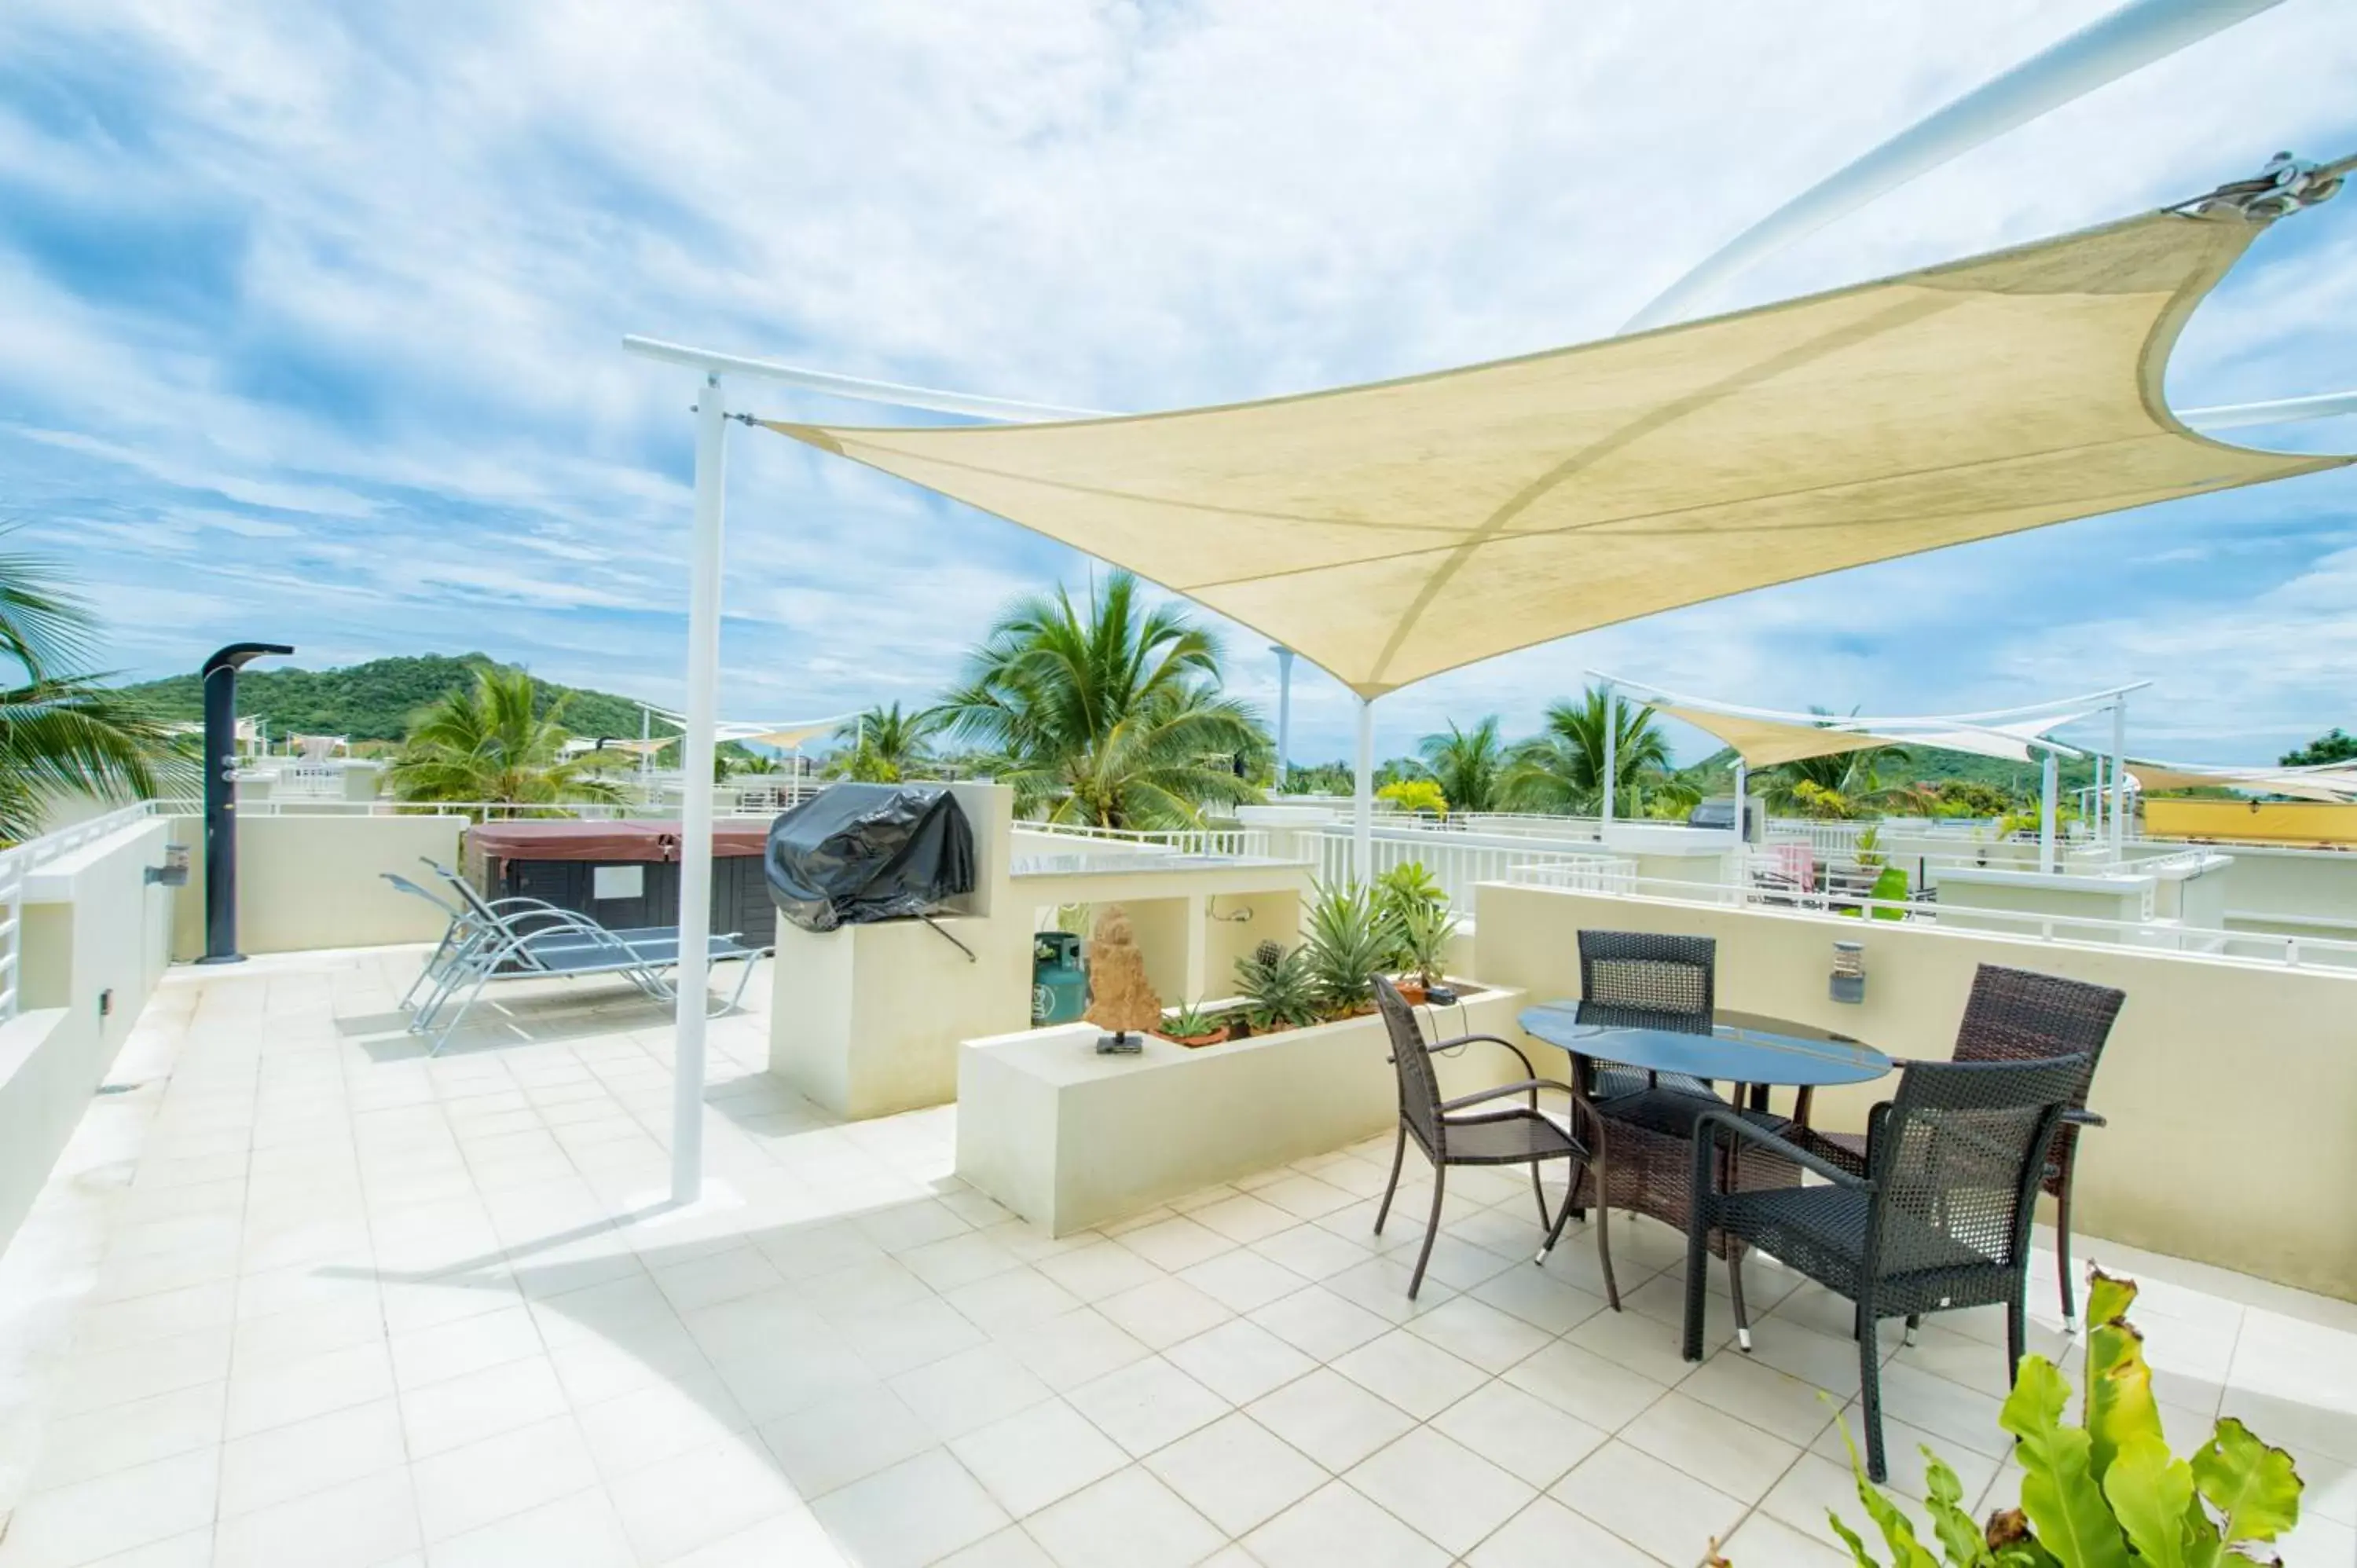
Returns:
point(886, 744)
point(1562, 767)
point(61, 734)
point(1844, 784)
point(1108, 714)
point(486, 742)
point(1470, 765)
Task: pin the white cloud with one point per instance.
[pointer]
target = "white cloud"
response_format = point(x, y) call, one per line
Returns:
point(444, 224)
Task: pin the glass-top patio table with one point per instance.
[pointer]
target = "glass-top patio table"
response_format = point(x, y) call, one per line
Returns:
point(1741, 1049)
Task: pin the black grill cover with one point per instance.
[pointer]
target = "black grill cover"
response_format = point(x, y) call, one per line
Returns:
point(858, 853)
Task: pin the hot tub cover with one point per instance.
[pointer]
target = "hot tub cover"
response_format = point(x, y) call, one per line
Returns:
point(861, 853)
point(623, 840)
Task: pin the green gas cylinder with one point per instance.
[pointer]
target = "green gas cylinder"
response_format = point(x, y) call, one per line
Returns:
point(1059, 982)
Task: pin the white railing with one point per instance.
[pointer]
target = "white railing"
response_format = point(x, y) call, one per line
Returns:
point(19, 861)
point(1530, 824)
point(2265, 948)
point(1829, 839)
point(1457, 861)
point(1226, 843)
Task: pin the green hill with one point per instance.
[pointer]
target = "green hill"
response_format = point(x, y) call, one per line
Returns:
point(374, 700)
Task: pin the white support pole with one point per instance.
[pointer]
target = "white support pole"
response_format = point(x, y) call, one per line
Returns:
point(696, 800)
point(1611, 755)
point(1284, 707)
point(2047, 773)
point(2119, 778)
point(1363, 799)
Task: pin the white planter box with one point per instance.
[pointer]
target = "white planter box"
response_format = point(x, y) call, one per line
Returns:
point(1069, 1139)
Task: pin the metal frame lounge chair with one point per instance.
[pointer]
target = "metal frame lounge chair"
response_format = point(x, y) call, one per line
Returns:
point(539, 940)
point(1940, 1219)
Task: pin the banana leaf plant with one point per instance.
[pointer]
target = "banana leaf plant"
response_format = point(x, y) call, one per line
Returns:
point(2106, 1493)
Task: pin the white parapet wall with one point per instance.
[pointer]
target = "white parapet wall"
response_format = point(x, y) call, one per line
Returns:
point(94, 943)
point(311, 882)
point(1069, 1139)
point(2231, 1086)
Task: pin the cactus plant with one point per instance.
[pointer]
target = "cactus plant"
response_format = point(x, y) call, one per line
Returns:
point(2106, 1493)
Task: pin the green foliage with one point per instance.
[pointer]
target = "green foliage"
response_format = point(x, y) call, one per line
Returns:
point(1277, 985)
point(1846, 784)
point(2336, 745)
point(494, 742)
point(63, 734)
point(1108, 714)
point(1969, 797)
point(1417, 909)
point(1425, 929)
point(884, 746)
point(1419, 795)
point(1470, 765)
point(1352, 938)
point(1562, 767)
point(378, 700)
point(2106, 1493)
point(1807, 797)
point(1187, 1021)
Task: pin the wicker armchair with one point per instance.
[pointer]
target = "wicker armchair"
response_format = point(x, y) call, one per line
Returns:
point(1453, 1132)
point(1939, 1219)
point(1644, 980)
point(2017, 1015)
point(1648, 981)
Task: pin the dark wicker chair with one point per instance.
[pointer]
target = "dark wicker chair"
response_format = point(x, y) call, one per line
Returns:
point(2017, 1015)
point(1452, 1132)
point(1645, 980)
point(1940, 1219)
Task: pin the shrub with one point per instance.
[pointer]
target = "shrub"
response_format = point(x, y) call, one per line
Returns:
point(1352, 939)
point(1421, 796)
point(1399, 892)
point(2106, 1493)
point(1424, 932)
point(1276, 986)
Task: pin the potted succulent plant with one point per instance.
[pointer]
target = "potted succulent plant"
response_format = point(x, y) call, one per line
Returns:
point(1426, 931)
point(1352, 938)
point(1278, 990)
point(1190, 1027)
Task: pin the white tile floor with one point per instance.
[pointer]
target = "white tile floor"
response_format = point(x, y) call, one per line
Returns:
point(298, 1296)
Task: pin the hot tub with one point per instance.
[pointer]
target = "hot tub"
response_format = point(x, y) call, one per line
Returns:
point(624, 873)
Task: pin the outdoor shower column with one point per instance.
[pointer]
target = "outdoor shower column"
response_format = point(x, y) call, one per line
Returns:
point(696, 799)
point(220, 677)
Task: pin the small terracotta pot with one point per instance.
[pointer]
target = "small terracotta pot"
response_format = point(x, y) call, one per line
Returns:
point(1197, 1042)
point(1411, 991)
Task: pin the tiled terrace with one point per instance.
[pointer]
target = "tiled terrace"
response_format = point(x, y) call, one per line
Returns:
point(298, 1296)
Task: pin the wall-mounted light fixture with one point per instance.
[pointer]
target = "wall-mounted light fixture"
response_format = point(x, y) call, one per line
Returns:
point(174, 872)
point(1849, 971)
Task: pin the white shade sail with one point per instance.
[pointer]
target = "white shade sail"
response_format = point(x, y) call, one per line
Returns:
point(1392, 532)
point(1764, 740)
point(2332, 781)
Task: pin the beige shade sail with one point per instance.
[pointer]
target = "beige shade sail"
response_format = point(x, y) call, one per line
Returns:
point(2329, 783)
point(1391, 531)
point(1764, 743)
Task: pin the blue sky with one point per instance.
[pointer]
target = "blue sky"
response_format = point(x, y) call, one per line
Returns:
point(309, 320)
